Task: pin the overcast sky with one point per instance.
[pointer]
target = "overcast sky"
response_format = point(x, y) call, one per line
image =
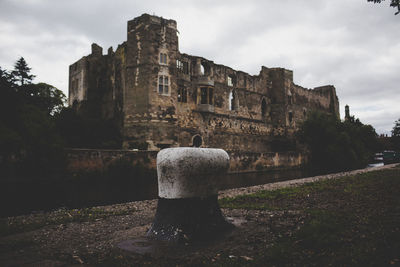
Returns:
point(352, 44)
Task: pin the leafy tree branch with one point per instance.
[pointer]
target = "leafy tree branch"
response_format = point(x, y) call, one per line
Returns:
point(393, 3)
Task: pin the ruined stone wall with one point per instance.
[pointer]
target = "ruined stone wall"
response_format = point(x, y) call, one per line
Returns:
point(77, 82)
point(165, 98)
point(93, 160)
point(95, 88)
point(89, 160)
point(246, 113)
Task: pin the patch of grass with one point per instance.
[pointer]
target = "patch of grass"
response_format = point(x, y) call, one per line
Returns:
point(323, 235)
point(284, 198)
point(269, 200)
point(353, 220)
point(262, 200)
point(19, 224)
point(323, 229)
point(333, 238)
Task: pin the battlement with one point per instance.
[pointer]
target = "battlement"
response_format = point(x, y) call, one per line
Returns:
point(147, 19)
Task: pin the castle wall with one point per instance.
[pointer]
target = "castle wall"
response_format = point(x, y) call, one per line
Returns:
point(92, 85)
point(77, 82)
point(89, 160)
point(164, 98)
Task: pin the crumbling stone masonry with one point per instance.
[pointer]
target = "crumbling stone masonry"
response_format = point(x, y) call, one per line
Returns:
point(163, 98)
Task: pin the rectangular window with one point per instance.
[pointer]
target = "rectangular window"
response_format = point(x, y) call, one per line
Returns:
point(166, 87)
point(206, 95)
point(182, 66)
point(210, 95)
point(163, 58)
point(182, 95)
point(163, 84)
point(186, 67)
point(160, 84)
point(230, 83)
point(203, 95)
point(179, 65)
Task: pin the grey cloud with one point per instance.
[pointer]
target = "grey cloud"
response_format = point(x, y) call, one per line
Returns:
point(350, 44)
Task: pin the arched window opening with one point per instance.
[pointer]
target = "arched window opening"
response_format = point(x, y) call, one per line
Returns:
point(290, 98)
point(263, 108)
point(290, 116)
point(232, 100)
point(163, 58)
point(205, 68)
point(197, 141)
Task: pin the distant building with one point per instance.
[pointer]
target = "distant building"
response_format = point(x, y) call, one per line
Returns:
point(163, 98)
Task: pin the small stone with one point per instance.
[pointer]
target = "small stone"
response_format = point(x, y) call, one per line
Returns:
point(246, 258)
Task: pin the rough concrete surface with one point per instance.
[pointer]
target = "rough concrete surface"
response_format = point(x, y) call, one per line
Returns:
point(186, 172)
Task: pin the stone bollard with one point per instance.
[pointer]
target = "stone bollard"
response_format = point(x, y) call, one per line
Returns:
point(188, 207)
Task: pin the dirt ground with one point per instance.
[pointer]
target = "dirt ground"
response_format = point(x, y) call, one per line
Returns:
point(94, 236)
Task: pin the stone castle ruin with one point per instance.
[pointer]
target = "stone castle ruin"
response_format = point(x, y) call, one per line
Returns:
point(162, 98)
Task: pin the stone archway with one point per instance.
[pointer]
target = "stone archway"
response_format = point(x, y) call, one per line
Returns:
point(197, 141)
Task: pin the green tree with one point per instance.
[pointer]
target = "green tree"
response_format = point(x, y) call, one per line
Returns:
point(46, 97)
point(396, 129)
point(7, 80)
point(22, 72)
point(393, 3)
point(30, 146)
point(335, 145)
point(395, 139)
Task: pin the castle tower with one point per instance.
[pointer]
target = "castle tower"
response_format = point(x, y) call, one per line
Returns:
point(150, 91)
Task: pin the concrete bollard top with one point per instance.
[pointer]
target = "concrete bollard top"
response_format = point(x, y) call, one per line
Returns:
point(187, 172)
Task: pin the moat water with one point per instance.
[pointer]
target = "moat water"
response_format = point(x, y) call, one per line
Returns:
point(37, 196)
